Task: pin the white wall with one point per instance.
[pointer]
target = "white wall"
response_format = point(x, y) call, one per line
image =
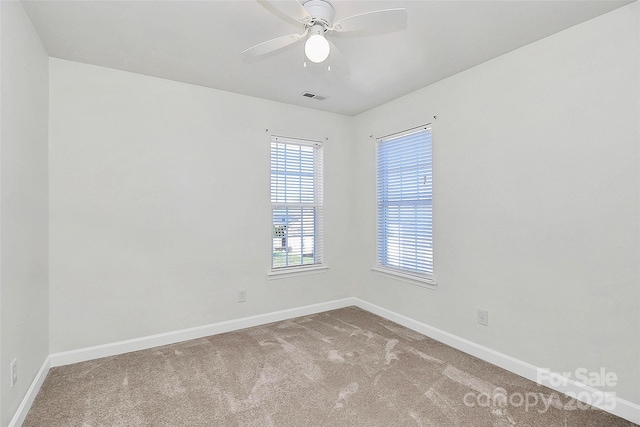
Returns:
point(536, 201)
point(23, 204)
point(160, 205)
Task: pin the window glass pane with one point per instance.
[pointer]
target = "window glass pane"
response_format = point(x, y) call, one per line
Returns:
point(293, 241)
point(404, 181)
point(292, 173)
point(296, 178)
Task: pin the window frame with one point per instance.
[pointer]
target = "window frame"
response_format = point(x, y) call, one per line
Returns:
point(318, 234)
point(425, 280)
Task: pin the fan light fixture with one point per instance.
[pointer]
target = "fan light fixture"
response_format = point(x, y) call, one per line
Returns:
point(317, 47)
point(316, 18)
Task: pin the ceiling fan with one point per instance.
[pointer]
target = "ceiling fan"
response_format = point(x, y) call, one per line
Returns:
point(317, 18)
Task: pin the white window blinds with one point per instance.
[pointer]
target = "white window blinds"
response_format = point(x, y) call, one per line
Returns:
point(404, 197)
point(296, 202)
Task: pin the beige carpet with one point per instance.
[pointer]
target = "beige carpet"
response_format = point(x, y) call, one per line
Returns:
point(344, 367)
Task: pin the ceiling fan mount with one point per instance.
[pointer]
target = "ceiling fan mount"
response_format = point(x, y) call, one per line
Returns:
point(317, 16)
point(320, 12)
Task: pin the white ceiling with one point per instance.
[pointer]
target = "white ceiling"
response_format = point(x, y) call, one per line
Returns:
point(200, 43)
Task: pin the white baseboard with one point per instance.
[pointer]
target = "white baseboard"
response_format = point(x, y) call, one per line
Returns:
point(602, 400)
point(620, 407)
point(34, 388)
point(143, 343)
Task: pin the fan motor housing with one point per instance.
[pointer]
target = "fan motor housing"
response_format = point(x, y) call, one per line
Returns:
point(321, 12)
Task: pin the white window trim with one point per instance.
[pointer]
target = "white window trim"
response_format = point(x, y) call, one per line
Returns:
point(282, 273)
point(302, 270)
point(426, 282)
point(423, 282)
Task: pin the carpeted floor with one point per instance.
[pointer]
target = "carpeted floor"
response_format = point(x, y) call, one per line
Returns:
point(344, 367)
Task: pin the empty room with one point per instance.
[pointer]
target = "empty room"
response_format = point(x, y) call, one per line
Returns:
point(319, 213)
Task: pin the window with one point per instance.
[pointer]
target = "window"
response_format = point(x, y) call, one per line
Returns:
point(296, 203)
point(405, 234)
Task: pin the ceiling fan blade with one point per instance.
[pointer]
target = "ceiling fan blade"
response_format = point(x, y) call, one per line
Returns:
point(337, 61)
point(378, 20)
point(290, 8)
point(273, 44)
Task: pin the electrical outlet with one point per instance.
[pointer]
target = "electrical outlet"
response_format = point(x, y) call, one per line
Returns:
point(483, 317)
point(14, 372)
point(242, 295)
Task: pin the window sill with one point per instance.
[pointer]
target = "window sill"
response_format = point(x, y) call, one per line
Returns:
point(423, 282)
point(296, 271)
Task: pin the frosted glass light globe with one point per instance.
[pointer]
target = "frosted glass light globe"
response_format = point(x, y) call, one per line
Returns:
point(316, 48)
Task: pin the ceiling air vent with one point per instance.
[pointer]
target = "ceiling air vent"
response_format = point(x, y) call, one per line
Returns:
point(314, 96)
